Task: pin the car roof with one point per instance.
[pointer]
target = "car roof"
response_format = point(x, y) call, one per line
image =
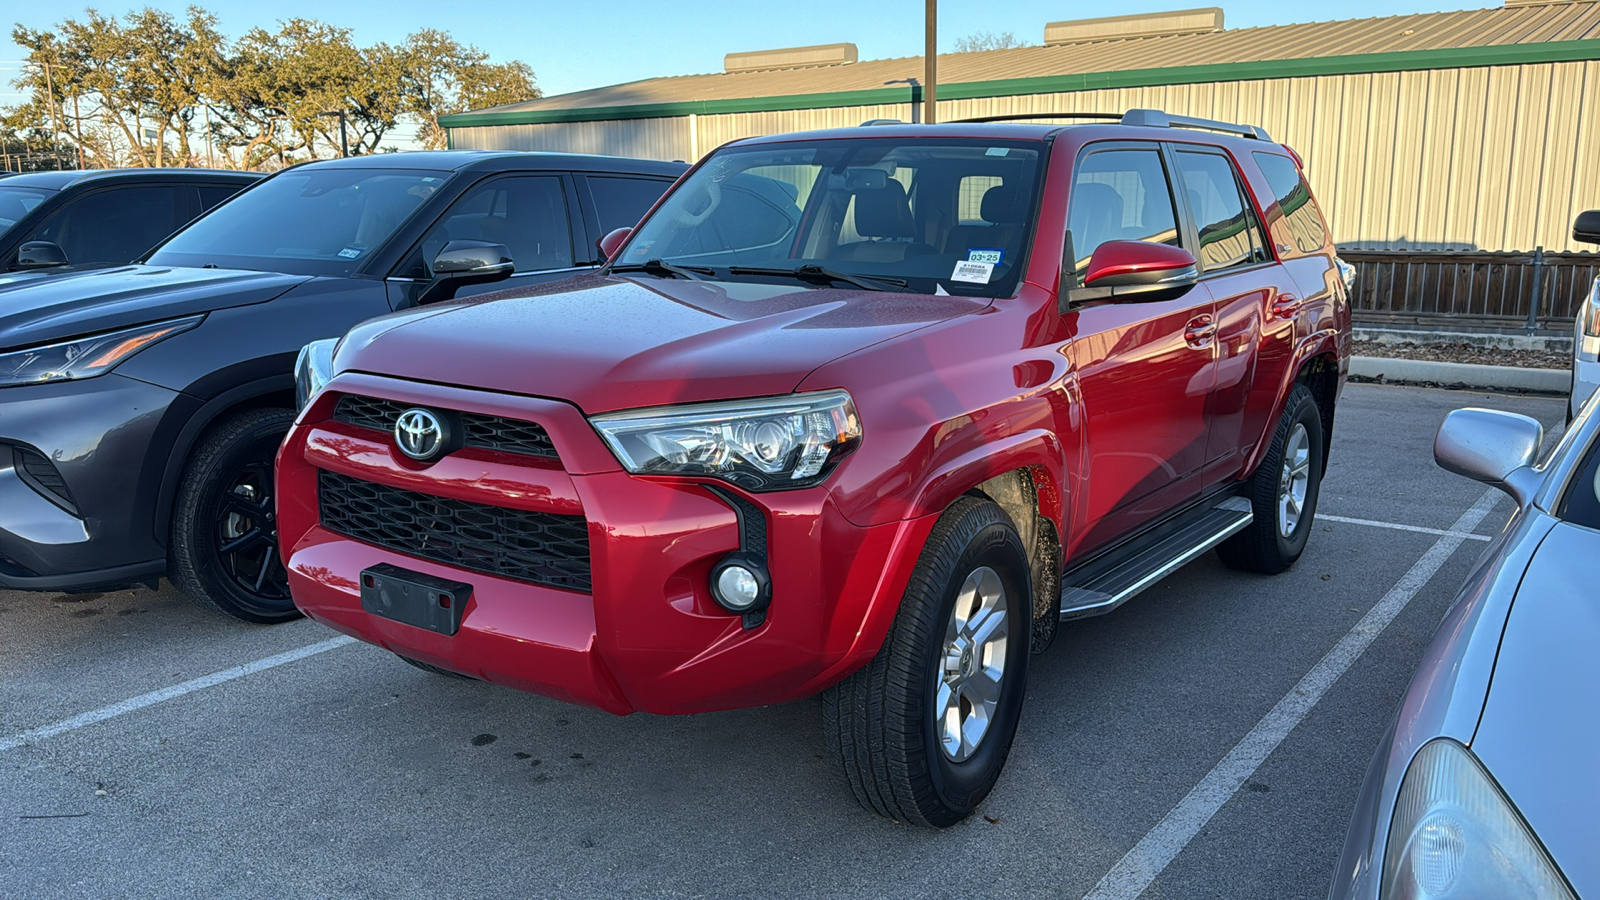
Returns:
point(56, 181)
point(502, 160)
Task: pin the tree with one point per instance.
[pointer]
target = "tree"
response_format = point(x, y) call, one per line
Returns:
point(146, 88)
point(988, 40)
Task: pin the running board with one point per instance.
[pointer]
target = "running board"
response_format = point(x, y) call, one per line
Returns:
point(1107, 581)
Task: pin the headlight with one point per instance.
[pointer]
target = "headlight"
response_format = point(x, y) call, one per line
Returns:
point(85, 357)
point(770, 444)
point(1591, 312)
point(1455, 835)
point(312, 369)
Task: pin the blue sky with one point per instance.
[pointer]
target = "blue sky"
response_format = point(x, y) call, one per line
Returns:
point(573, 46)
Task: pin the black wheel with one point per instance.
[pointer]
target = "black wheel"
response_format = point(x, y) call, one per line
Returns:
point(1282, 492)
point(224, 548)
point(923, 730)
point(426, 667)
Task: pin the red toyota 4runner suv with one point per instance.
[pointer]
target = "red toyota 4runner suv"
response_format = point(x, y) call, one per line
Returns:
point(861, 412)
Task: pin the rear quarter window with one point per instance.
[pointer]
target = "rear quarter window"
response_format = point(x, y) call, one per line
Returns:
point(1301, 222)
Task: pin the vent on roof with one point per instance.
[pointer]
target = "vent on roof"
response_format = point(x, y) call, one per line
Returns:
point(1185, 21)
point(790, 58)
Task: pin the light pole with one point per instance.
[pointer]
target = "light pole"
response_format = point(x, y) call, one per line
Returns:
point(344, 142)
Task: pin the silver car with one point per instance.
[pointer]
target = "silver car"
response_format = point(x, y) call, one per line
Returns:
point(1586, 328)
point(1486, 785)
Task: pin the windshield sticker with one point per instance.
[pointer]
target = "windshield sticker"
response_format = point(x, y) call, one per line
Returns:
point(939, 291)
point(641, 249)
point(997, 151)
point(972, 272)
point(349, 253)
point(992, 257)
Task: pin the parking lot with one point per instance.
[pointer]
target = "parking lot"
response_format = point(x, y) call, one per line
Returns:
point(328, 768)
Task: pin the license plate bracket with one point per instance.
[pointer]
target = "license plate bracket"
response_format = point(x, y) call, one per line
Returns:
point(414, 598)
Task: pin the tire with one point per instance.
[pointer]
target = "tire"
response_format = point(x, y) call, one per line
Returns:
point(883, 723)
point(224, 546)
point(1277, 536)
point(426, 667)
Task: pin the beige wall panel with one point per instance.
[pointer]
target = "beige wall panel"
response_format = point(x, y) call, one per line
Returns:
point(642, 138)
point(1586, 184)
point(1528, 120)
point(1499, 137)
point(1556, 197)
point(1408, 120)
point(1433, 188)
point(1466, 160)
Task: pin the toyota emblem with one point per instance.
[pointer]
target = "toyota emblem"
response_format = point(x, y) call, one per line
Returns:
point(419, 434)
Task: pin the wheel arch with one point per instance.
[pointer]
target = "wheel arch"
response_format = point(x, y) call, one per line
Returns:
point(276, 392)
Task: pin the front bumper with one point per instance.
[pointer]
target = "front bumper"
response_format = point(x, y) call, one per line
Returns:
point(648, 636)
point(71, 500)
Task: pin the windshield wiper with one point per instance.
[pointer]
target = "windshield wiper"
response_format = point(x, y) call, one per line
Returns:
point(818, 273)
point(662, 267)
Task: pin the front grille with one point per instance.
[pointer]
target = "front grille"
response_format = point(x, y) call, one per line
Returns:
point(480, 430)
point(41, 474)
point(535, 547)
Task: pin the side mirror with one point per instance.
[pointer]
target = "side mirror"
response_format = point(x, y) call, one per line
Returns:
point(1497, 448)
point(463, 262)
point(1587, 228)
point(40, 255)
point(1138, 271)
point(612, 242)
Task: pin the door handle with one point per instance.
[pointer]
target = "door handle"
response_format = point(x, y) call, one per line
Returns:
point(1199, 332)
point(1287, 306)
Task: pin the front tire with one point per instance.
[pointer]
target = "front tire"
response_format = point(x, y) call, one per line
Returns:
point(224, 548)
point(1283, 492)
point(923, 731)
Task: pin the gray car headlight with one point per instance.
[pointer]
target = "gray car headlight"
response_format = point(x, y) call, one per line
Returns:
point(770, 444)
point(1455, 835)
point(313, 368)
point(85, 357)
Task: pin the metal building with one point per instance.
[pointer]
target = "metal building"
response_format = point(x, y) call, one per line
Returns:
point(1458, 131)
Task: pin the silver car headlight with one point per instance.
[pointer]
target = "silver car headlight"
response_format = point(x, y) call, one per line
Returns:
point(85, 357)
point(1455, 835)
point(770, 444)
point(313, 368)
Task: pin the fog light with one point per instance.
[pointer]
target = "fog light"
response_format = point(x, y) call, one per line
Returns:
point(740, 583)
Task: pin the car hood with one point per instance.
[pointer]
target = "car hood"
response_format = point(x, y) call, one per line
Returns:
point(608, 343)
point(1541, 725)
point(35, 310)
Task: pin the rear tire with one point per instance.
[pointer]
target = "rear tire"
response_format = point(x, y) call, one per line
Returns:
point(1283, 492)
point(224, 548)
point(923, 730)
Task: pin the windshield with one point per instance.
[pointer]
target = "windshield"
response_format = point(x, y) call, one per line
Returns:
point(16, 202)
point(311, 221)
point(920, 214)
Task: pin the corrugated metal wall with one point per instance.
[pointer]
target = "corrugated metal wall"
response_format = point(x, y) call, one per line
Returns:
point(1498, 158)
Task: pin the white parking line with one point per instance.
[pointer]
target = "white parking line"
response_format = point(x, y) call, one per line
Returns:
point(1324, 517)
point(1156, 850)
point(168, 693)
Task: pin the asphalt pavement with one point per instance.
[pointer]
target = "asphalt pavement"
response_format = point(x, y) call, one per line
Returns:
point(150, 749)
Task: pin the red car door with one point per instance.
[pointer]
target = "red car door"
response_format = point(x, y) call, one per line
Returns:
point(1255, 306)
point(1143, 370)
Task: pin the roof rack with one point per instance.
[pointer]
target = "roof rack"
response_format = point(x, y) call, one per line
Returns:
point(870, 122)
point(1023, 117)
point(1155, 118)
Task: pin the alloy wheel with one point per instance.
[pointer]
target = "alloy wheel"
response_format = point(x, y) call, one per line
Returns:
point(972, 669)
point(247, 534)
point(1294, 480)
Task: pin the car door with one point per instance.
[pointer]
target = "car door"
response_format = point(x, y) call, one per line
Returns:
point(115, 225)
point(1255, 305)
point(535, 215)
point(619, 201)
point(1143, 369)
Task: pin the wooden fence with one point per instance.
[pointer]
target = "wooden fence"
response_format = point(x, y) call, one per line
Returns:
point(1472, 289)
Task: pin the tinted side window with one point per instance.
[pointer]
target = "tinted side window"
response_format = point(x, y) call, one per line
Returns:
point(115, 226)
point(1229, 234)
point(526, 213)
point(1301, 215)
point(1120, 195)
point(622, 202)
point(212, 195)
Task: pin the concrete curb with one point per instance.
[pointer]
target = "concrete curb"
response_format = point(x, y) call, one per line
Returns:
point(1544, 381)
